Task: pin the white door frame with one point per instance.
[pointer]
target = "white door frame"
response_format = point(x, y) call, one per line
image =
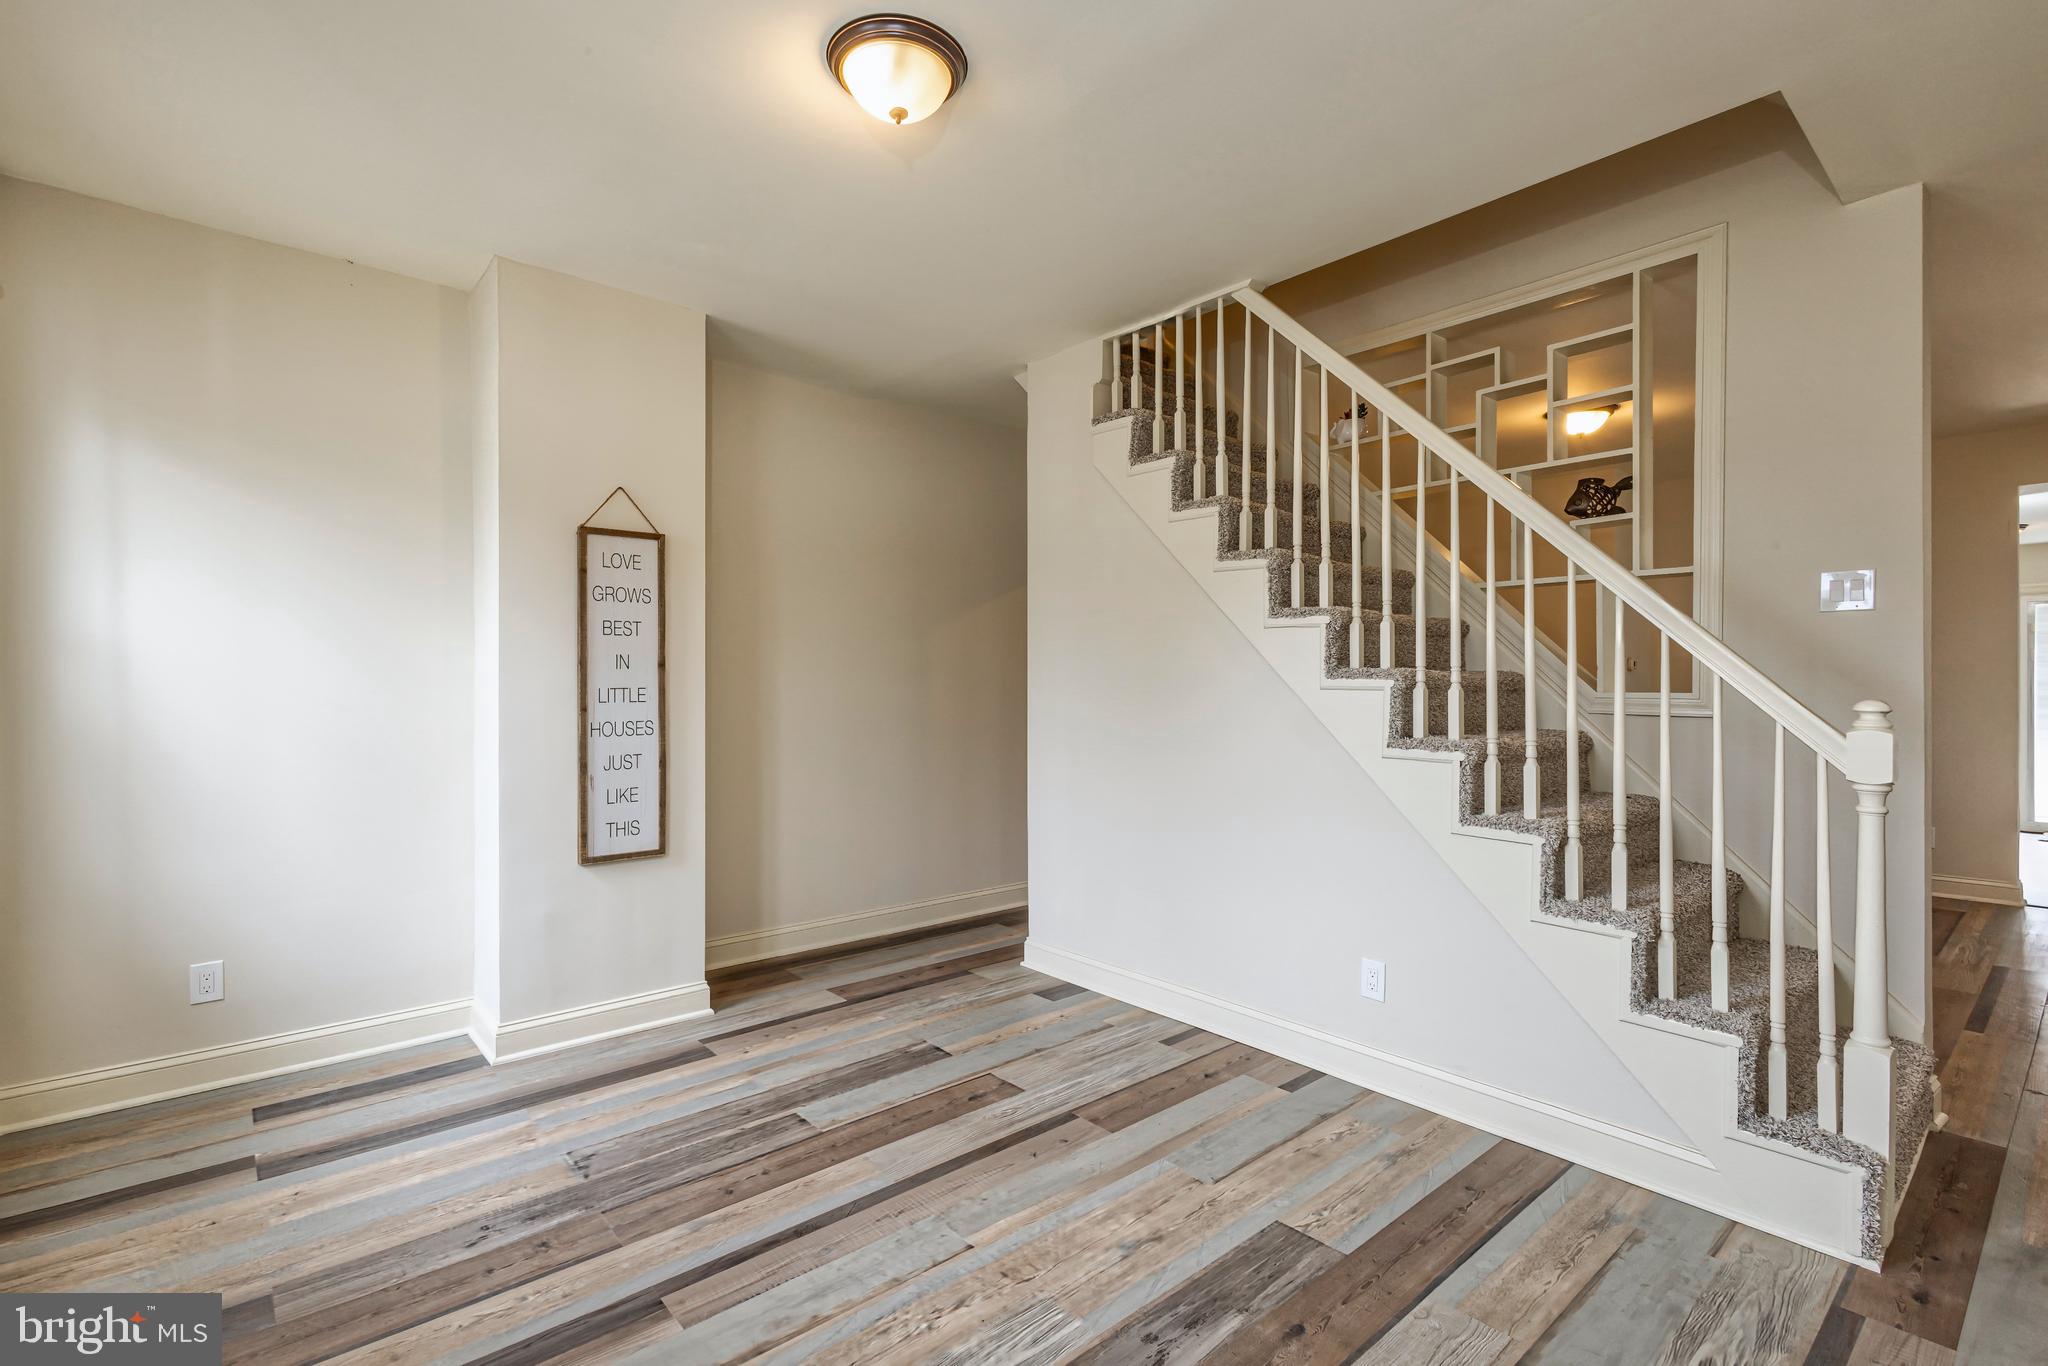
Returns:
point(2030, 596)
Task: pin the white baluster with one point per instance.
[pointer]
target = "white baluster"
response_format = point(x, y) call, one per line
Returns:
point(1867, 1057)
point(1200, 469)
point(1826, 1077)
point(1244, 445)
point(1574, 851)
point(1386, 655)
point(1667, 905)
point(1532, 772)
point(1357, 654)
point(1775, 1070)
point(1180, 385)
point(1158, 386)
point(1719, 866)
point(1137, 376)
point(1327, 506)
point(1454, 692)
point(1419, 699)
point(1295, 597)
point(1272, 449)
point(1617, 879)
point(1490, 787)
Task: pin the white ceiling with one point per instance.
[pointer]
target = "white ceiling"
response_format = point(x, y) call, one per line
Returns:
point(1102, 160)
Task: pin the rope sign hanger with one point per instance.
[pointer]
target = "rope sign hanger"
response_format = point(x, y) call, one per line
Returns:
point(608, 502)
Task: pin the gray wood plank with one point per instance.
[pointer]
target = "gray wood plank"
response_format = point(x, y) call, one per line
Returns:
point(1223, 1152)
point(2004, 1319)
point(776, 1314)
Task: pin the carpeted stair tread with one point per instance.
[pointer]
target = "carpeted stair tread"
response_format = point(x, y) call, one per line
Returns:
point(1280, 601)
point(1691, 883)
point(1336, 644)
point(1550, 764)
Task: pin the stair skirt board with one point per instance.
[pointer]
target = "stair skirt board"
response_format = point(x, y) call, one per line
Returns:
point(1380, 736)
point(1641, 1159)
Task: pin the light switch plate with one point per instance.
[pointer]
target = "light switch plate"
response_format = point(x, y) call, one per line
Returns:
point(1848, 590)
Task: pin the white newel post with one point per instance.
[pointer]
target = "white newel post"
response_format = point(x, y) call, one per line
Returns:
point(1867, 1058)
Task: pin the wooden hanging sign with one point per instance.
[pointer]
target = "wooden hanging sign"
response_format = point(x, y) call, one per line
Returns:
point(622, 691)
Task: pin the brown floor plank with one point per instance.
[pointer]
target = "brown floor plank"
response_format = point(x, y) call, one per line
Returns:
point(272, 1165)
point(421, 1293)
point(1124, 1108)
point(1540, 1280)
point(1184, 1323)
point(1932, 1261)
point(1348, 1306)
point(869, 988)
point(814, 1151)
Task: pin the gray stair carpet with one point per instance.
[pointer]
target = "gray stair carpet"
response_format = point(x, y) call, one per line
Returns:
point(1244, 537)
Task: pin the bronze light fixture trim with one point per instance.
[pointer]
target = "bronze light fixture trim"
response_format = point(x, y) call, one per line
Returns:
point(897, 67)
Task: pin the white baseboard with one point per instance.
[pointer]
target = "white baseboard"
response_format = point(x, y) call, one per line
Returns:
point(77, 1094)
point(730, 950)
point(504, 1041)
point(50, 1100)
point(1991, 891)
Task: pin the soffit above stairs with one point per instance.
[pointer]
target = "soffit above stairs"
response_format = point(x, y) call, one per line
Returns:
point(700, 153)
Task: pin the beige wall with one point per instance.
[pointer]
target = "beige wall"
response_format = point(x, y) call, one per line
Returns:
point(594, 388)
point(234, 648)
point(1826, 437)
point(867, 665)
point(1977, 572)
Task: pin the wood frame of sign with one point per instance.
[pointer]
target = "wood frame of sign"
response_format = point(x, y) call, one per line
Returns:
point(612, 845)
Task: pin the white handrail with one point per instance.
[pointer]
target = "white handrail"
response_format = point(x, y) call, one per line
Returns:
point(1859, 763)
point(1205, 297)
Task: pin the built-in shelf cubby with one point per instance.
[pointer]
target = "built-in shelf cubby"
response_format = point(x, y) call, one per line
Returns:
point(1604, 375)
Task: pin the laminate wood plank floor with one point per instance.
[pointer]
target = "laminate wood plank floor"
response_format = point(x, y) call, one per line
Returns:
point(921, 1151)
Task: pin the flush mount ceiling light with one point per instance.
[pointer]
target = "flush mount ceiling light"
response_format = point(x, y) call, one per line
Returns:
point(1586, 421)
point(898, 68)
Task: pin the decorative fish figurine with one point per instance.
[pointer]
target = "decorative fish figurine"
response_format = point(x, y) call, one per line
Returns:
point(1595, 497)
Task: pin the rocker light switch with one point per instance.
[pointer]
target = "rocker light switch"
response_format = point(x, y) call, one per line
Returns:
point(1848, 590)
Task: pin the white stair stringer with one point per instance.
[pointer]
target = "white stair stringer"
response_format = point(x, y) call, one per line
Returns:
point(1807, 1197)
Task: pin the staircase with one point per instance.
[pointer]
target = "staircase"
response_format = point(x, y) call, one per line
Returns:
point(1401, 644)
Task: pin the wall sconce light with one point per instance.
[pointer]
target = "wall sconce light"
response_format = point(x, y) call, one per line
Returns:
point(898, 68)
point(1586, 421)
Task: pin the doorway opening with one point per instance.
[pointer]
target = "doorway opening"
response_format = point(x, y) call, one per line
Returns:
point(2033, 756)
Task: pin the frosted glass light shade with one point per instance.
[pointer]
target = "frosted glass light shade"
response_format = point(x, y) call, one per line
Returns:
point(895, 81)
point(1586, 421)
point(897, 68)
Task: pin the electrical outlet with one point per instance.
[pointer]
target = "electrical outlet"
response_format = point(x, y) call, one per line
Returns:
point(1372, 979)
point(209, 981)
